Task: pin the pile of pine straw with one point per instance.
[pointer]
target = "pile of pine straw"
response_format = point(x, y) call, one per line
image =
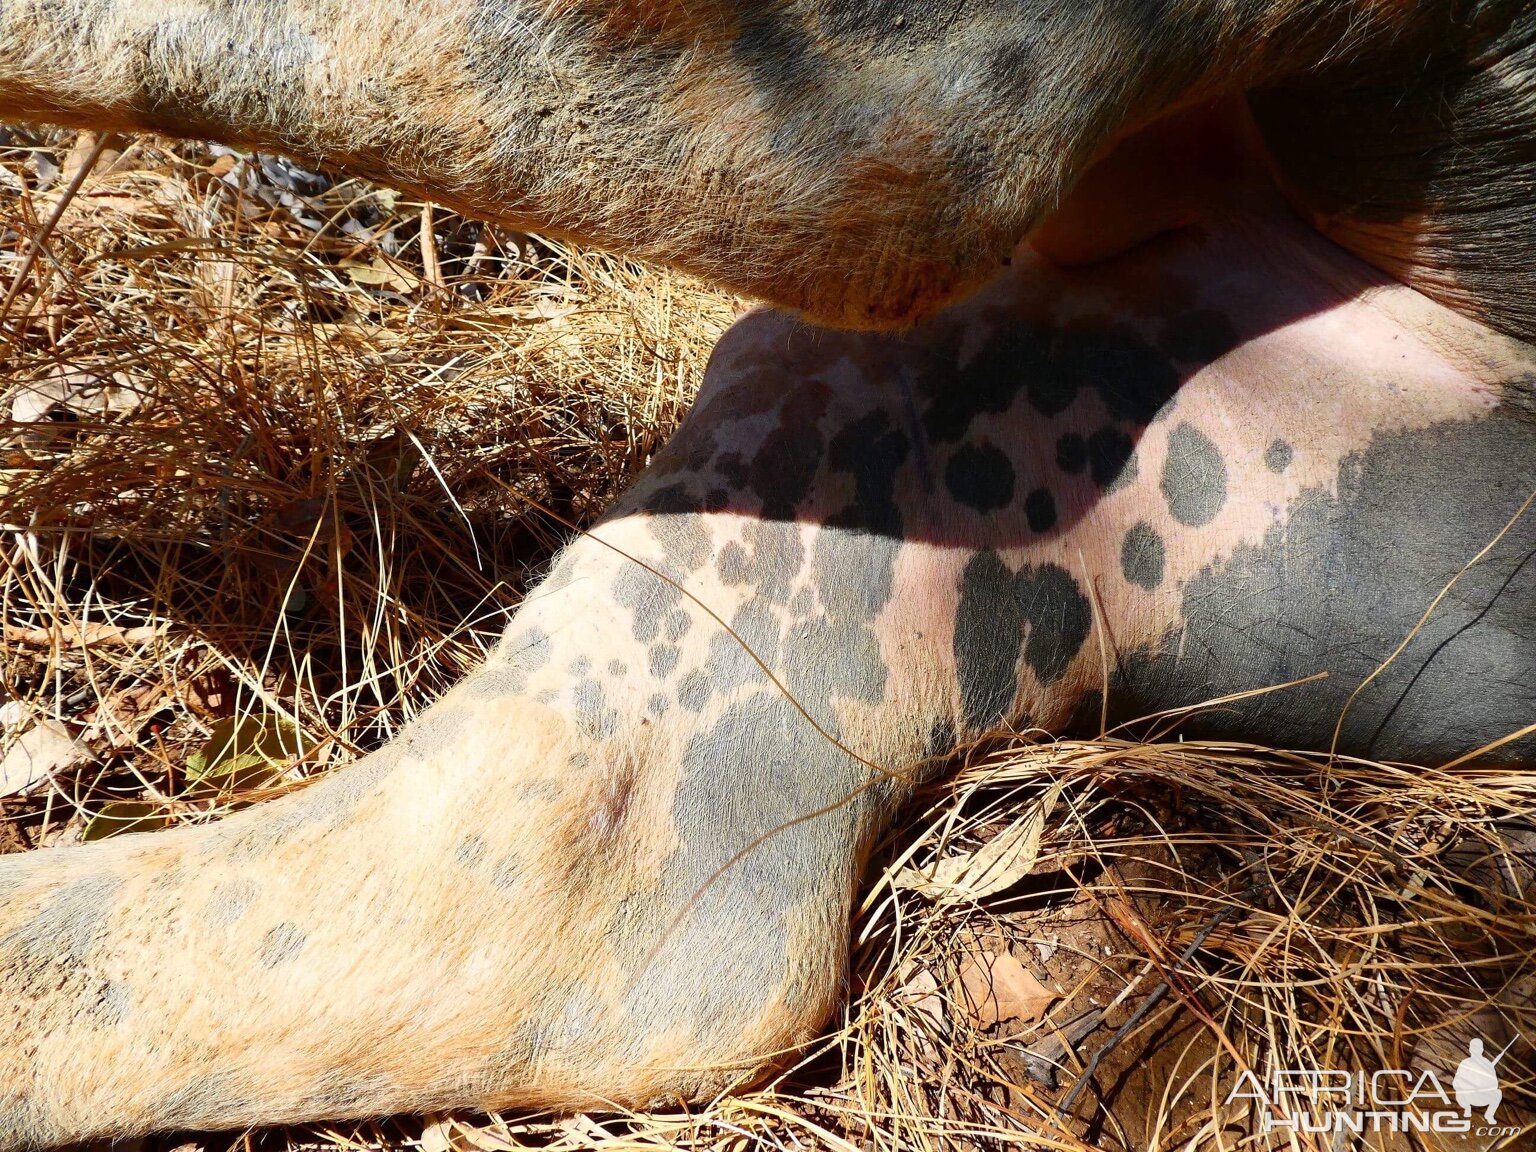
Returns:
point(283, 446)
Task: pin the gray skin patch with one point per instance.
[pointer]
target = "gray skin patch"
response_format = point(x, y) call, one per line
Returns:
point(1041, 605)
point(507, 872)
point(663, 660)
point(617, 668)
point(470, 852)
point(980, 476)
point(528, 651)
point(113, 1004)
point(228, 902)
point(648, 596)
point(694, 691)
point(67, 926)
point(281, 945)
point(987, 626)
point(592, 712)
point(1194, 477)
point(675, 626)
point(763, 763)
point(1278, 456)
point(1143, 556)
point(1344, 580)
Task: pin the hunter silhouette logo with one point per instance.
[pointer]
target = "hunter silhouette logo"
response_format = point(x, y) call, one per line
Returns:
point(1335, 1100)
point(1476, 1082)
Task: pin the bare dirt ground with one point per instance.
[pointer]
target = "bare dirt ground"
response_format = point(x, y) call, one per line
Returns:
point(279, 453)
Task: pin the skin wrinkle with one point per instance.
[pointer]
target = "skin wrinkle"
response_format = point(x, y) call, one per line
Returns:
point(671, 849)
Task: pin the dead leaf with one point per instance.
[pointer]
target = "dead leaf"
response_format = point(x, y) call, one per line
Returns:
point(242, 753)
point(995, 988)
point(381, 272)
point(1000, 863)
point(543, 309)
point(45, 748)
point(82, 393)
point(119, 816)
point(921, 991)
point(435, 1135)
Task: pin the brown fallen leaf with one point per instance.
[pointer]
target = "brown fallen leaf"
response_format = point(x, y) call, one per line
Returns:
point(1000, 863)
point(45, 748)
point(995, 987)
point(921, 991)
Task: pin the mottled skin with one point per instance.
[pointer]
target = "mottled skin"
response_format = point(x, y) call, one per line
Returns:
point(616, 864)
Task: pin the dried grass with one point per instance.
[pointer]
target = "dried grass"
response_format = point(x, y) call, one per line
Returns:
point(309, 470)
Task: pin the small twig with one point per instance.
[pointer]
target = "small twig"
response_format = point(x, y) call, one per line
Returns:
point(40, 237)
point(431, 270)
point(1155, 997)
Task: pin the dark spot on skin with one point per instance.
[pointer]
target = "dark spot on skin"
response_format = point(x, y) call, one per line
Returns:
point(988, 384)
point(1059, 618)
point(676, 625)
point(675, 524)
point(228, 902)
point(544, 696)
point(580, 666)
point(1133, 380)
point(1340, 583)
point(981, 477)
point(469, 853)
point(617, 668)
point(648, 596)
point(716, 500)
point(1194, 477)
point(780, 772)
point(280, 945)
point(591, 704)
point(1142, 556)
point(775, 556)
point(733, 468)
point(988, 622)
point(733, 564)
point(1198, 337)
point(1072, 453)
point(658, 705)
point(527, 651)
point(507, 872)
point(694, 691)
point(785, 464)
point(872, 452)
point(663, 660)
point(1111, 458)
point(1278, 456)
point(802, 604)
point(1040, 510)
